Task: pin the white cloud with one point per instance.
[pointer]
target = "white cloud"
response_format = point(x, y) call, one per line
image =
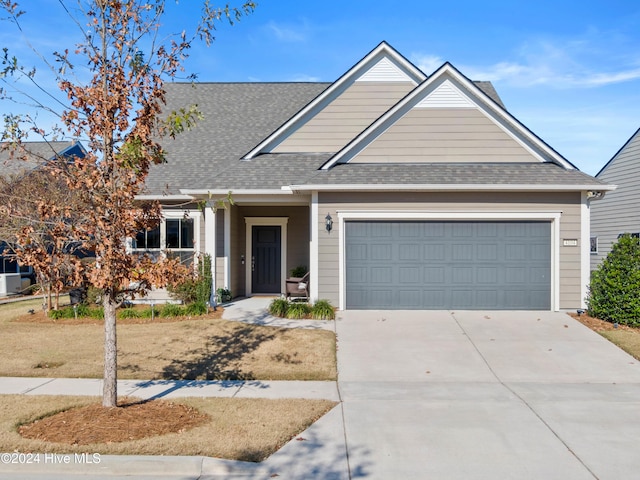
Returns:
point(427, 63)
point(568, 63)
point(288, 33)
point(303, 77)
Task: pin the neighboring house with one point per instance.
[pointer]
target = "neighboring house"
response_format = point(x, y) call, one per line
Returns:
point(39, 153)
point(398, 190)
point(618, 212)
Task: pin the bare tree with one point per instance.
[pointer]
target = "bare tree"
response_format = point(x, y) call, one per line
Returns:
point(116, 112)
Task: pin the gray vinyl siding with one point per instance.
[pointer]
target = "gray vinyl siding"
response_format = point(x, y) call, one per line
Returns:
point(237, 248)
point(567, 203)
point(619, 211)
point(431, 135)
point(297, 231)
point(345, 117)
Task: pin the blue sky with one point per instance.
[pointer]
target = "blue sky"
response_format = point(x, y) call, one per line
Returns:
point(569, 70)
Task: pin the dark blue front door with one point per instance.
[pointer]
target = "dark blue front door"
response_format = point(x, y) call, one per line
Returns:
point(265, 259)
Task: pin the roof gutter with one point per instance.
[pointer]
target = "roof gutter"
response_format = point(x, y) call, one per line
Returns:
point(449, 188)
point(164, 197)
point(242, 191)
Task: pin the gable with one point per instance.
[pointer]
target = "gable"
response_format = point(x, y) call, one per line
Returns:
point(353, 102)
point(625, 163)
point(345, 117)
point(447, 118)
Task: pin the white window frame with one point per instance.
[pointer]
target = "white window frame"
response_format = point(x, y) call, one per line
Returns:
point(195, 215)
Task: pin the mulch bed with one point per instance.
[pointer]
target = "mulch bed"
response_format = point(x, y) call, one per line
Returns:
point(601, 325)
point(129, 421)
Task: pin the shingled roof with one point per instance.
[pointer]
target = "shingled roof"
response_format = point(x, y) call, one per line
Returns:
point(238, 116)
point(37, 154)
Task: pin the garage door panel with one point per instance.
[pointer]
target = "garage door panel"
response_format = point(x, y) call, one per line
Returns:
point(487, 252)
point(381, 275)
point(410, 251)
point(462, 252)
point(487, 275)
point(434, 275)
point(487, 299)
point(410, 299)
point(435, 252)
point(381, 252)
point(470, 265)
point(462, 275)
point(462, 299)
point(410, 275)
point(436, 297)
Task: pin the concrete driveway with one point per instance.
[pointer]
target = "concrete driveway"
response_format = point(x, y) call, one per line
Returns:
point(485, 395)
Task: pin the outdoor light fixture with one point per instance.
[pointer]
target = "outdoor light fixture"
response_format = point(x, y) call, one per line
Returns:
point(328, 222)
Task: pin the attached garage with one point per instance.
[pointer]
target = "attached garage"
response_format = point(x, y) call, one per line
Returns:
point(492, 265)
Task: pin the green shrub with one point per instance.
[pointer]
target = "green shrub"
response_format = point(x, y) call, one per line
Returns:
point(66, 312)
point(129, 313)
point(81, 311)
point(223, 295)
point(323, 310)
point(298, 310)
point(172, 310)
point(278, 307)
point(300, 271)
point(196, 288)
point(197, 308)
point(614, 290)
point(150, 312)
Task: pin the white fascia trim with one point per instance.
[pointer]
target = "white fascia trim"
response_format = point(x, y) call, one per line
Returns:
point(314, 260)
point(384, 48)
point(250, 222)
point(552, 215)
point(585, 249)
point(377, 127)
point(164, 197)
point(449, 187)
point(227, 248)
point(242, 191)
point(210, 241)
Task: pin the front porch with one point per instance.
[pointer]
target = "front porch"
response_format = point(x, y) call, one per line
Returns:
point(255, 245)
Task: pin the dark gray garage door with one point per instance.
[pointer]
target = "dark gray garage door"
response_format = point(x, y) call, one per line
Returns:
point(448, 265)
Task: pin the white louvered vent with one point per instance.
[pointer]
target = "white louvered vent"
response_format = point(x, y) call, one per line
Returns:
point(446, 95)
point(384, 71)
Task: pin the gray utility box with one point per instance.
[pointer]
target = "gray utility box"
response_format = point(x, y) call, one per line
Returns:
point(10, 284)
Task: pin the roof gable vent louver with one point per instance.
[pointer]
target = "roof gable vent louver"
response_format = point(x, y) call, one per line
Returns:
point(384, 71)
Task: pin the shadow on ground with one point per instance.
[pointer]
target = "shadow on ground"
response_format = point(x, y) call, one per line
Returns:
point(218, 358)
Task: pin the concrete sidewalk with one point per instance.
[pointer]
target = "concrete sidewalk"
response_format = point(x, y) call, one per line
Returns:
point(322, 446)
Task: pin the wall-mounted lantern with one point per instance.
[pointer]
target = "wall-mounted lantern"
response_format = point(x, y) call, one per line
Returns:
point(328, 222)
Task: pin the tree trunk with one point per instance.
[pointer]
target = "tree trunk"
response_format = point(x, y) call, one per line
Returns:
point(110, 387)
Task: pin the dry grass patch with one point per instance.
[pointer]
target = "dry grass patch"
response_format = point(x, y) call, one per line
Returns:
point(237, 429)
point(625, 337)
point(199, 348)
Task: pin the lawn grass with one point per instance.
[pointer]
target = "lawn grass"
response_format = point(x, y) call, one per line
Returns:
point(239, 429)
point(627, 340)
point(200, 348)
point(625, 337)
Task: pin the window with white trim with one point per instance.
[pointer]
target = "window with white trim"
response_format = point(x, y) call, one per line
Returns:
point(176, 236)
point(593, 241)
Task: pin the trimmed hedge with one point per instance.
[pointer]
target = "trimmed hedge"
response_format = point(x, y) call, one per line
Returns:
point(614, 290)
